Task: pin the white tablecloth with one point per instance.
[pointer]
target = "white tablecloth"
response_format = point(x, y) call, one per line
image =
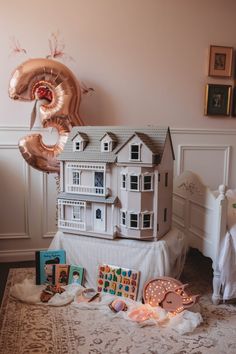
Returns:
point(161, 258)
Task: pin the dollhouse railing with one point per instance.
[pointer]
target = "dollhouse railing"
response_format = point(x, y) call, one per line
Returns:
point(74, 225)
point(86, 190)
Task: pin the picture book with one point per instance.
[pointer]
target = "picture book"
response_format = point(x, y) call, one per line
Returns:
point(76, 274)
point(44, 264)
point(118, 281)
point(60, 274)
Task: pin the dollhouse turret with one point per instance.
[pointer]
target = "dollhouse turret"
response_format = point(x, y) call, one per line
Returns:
point(116, 181)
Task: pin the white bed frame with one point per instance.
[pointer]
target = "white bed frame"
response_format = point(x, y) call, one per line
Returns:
point(202, 215)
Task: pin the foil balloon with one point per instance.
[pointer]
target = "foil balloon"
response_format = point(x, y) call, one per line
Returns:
point(57, 97)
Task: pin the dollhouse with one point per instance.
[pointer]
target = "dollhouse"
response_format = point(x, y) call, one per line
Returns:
point(116, 181)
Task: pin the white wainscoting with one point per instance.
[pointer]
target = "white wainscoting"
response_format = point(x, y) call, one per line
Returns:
point(209, 153)
point(28, 196)
point(28, 200)
point(197, 158)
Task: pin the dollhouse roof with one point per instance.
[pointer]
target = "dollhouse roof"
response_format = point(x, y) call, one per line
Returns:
point(145, 139)
point(111, 135)
point(84, 136)
point(153, 137)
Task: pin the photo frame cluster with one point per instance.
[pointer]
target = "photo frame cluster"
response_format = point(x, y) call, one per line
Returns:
point(220, 99)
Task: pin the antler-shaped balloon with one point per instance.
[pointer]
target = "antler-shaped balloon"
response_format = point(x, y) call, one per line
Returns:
point(57, 93)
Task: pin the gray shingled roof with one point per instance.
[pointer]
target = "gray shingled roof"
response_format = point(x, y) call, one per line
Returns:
point(87, 198)
point(83, 136)
point(153, 137)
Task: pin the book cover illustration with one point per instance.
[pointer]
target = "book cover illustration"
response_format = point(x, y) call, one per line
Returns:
point(76, 275)
point(61, 274)
point(44, 264)
point(118, 281)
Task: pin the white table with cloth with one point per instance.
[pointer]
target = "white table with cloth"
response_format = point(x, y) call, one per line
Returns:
point(152, 258)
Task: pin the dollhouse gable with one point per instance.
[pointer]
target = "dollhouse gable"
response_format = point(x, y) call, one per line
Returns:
point(79, 141)
point(117, 183)
point(137, 149)
point(108, 142)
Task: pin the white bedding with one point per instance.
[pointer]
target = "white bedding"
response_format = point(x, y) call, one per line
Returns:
point(227, 260)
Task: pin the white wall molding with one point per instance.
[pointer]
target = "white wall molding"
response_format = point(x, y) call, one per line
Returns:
point(203, 131)
point(225, 148)
point(46, 233)
point(173, 130)
point(18, 255)
point(20, 235)
point(22, 128)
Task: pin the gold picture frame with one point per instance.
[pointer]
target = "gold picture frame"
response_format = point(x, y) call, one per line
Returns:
point(220, 61)
point(217, 100)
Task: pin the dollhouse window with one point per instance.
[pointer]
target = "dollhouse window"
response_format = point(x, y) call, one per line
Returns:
point(147, 182)
point(123, 218)
point(123, 181)
point(134, 183)
point(78, 145)
point(147, 221)
point(98, 179)
point(76, 214)
point(165, 214)
point(133, 221)
point(135, 152)
point(76, 177)
point(99, 182)
point(166, 179)
point(106, 146)
point(98, 214)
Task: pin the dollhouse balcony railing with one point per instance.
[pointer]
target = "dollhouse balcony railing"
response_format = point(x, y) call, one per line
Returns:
point(86, 190)
point(70, 224)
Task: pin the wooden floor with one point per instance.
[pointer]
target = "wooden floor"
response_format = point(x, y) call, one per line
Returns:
point(4, 269)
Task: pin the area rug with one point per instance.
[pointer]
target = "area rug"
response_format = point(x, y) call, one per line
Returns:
point(26, 329)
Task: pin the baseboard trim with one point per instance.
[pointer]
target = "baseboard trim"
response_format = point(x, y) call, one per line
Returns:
point(18, 255)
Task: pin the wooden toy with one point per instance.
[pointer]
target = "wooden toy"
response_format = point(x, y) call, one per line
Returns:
point(168, 293)
point(118, 281)
point(116, 181)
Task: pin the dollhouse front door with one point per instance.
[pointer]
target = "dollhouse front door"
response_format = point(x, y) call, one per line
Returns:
point(99, 217)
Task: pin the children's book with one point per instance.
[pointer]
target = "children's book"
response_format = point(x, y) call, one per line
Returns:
point(76, 274)
point(118, 281)
point(44, 264)
point(60, 274)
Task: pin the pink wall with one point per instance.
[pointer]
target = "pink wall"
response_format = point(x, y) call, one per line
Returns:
point(146, 59)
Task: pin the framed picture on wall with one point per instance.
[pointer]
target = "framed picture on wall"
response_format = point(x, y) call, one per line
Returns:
point(217, 100)
point(220, 61)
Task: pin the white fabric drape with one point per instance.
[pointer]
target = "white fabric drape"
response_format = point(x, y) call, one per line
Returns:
point(227, 260)
point(152, 258)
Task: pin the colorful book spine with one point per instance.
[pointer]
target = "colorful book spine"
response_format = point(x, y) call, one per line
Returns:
point(44, 264)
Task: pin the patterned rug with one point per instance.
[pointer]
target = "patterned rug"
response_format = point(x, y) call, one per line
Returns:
point(26, 329)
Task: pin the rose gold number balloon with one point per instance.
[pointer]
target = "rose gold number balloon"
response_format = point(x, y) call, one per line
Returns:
point(57, 93)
